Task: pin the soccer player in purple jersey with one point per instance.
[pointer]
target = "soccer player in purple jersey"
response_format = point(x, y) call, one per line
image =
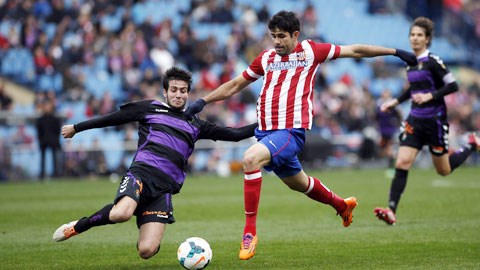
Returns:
point(158, 170)
point(426, 123)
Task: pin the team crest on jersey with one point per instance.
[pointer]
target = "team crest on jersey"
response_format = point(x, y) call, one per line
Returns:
point(301, 56)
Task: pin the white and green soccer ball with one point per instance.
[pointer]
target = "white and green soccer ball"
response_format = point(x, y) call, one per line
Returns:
point(194, 253)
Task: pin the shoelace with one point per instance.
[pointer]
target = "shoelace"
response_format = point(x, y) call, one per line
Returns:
point(247, 239)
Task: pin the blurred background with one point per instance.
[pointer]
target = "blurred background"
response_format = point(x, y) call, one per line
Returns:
point(79, 59)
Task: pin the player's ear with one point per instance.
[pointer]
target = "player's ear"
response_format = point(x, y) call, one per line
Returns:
point(296, 34)
point(165, 93)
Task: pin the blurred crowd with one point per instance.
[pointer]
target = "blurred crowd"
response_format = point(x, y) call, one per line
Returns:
point(88, 57)
point(458, 20)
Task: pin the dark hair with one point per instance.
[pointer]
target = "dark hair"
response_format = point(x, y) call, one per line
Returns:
point(285, 21)
point(176, 73)
point(427, 25)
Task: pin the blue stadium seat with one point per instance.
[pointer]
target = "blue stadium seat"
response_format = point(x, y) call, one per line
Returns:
point(395, 85)
point(6, 25)
point(8, 63)
point(221, 32)
point(139, 12)
point(112, 22)
point(76, 111)
point(50, 29)
point(113, 141)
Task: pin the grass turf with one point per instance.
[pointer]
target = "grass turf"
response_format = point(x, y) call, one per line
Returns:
point(438, 224)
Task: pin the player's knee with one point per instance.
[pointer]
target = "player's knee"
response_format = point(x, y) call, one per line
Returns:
point(403, 163)
point(120, 216)
point(250, 162)
point(147, 251)
point(443, 171)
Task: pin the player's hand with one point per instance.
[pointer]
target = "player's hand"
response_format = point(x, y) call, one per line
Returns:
point(194, 108)
point(388, 105)
point(421, 98)
point(407, 57)
point(68, 131)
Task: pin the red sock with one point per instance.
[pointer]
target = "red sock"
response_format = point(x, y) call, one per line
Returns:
point(318, 192)
point(251, 194)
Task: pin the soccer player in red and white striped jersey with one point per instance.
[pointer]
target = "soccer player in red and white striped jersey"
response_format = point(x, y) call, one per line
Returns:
point(284, 113)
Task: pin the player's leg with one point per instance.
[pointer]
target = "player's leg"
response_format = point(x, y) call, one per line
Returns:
point(445, 164)
point(439, 148)
point(153, 214)
point(412, 139)
point(126, 202)
point(405, 159)
point(149, 239)
point(474, 141)
point(316, 190)
point(284, 147)
point(254, 159)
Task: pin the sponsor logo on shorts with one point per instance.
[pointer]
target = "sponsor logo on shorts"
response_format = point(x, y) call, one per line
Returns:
point(159, 214)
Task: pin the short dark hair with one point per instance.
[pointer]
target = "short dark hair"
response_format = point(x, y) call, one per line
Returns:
point(285, 21)
point(427, 25)
point(176, 73)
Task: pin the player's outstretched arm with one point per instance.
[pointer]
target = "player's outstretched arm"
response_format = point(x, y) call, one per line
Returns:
point(221, 133)
point(224, 91)
point(362, 50)
point(117, 118)
point(407, 57)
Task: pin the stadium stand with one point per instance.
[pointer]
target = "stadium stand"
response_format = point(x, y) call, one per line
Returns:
point(91, 56)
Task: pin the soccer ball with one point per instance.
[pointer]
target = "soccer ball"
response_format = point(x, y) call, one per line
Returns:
point(194, 253)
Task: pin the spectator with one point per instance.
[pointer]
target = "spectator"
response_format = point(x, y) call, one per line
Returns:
point(263, 14)
point(309, 22)
point(96, 163)
point(48, 132)
point(21, 138)
point(43, 63)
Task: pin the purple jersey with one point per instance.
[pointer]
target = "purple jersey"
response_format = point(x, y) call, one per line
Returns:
point(166, 141)
point(427, 77)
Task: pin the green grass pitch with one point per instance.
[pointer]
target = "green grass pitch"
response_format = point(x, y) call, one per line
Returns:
point(438, 224)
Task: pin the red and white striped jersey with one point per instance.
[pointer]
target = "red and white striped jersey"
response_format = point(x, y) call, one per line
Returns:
point(286, 98)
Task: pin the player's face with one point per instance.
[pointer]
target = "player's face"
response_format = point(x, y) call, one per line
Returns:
point(418, 39)
point(283, 42)
point(177, 94)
